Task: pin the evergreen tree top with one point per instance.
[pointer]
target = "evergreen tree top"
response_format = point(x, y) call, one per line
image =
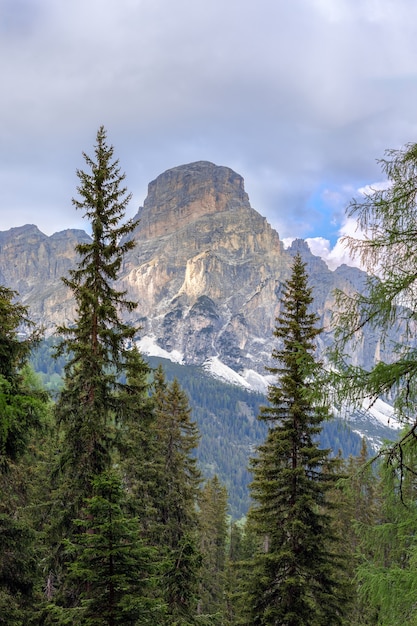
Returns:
point(98, 327)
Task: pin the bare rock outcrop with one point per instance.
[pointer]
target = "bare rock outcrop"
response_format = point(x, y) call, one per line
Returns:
point(206, 266)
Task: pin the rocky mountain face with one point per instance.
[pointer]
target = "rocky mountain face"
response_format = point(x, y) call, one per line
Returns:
point(206, 271)
point(32, 264)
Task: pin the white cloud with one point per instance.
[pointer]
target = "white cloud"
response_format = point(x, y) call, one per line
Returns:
point(293, 96)
point(367, 10)
point(319, 246)
point(368, 190)
point(287, 241)
point(339, 254)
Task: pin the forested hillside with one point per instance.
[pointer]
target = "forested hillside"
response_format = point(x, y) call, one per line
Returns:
point(226, 416)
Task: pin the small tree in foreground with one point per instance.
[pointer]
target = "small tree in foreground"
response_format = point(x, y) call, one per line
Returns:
point(297, 576)
point(109, 564)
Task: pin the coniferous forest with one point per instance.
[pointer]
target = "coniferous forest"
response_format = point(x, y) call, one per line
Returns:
point(110, 513)
point(226, 415)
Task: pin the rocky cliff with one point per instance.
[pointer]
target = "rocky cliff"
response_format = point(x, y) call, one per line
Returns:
point(206, 271)
point(32, 264)
point(206, 268)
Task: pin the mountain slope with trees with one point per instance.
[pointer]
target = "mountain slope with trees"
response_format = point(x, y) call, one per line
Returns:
point(226, 416)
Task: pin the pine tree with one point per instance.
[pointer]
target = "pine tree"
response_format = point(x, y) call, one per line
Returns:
point(175, 529)
point(90, 407)
point(213, 533)
point(297, 571)
point(97, 342)
point(109, 563)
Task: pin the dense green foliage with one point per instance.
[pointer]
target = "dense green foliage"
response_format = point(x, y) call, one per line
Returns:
point(23, 415)
point(175, 523)
point(213, 531)
point(386, 571)
point(227, 421)
point(21, 406)
point(109, 563)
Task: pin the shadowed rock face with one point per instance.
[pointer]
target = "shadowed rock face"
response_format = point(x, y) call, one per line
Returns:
point(206, 271)
point(184, 194)
point(32, 264)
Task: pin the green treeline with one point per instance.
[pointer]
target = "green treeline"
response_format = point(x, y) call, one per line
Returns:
point(112, 511)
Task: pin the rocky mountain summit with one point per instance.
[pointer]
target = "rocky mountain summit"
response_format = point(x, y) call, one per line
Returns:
point(206, 267)
point(206, 271)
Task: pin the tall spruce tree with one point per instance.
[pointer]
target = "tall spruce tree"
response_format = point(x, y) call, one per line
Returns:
point(88, 406)
point(296, 576)
point(91, 405)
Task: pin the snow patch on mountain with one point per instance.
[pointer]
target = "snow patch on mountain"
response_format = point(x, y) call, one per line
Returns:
point(382, 413)
point(256, 381)
point(216, 368)
point(249, 379)
point(375, 421)
point(147, 345)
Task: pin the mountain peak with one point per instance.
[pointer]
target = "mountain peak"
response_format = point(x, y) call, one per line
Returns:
point(21, 232)
point(188, 192)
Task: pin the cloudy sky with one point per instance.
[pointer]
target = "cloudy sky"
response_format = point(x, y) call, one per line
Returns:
point(301, 98)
